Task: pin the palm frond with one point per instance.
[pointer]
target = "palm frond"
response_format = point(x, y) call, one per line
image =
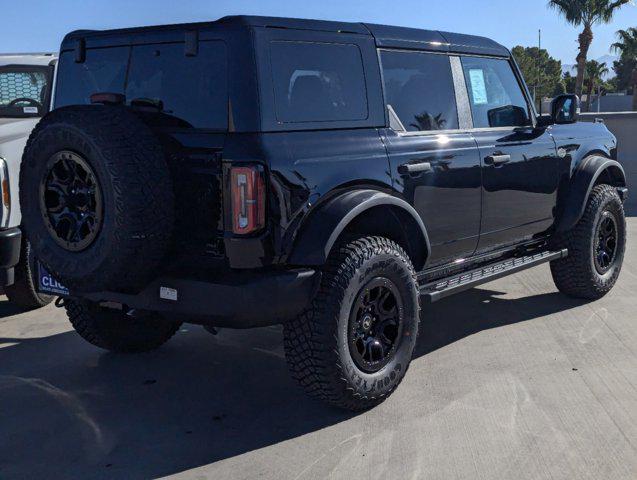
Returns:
point(571, 10)
point(587, 12)
point(627, 44)
point(607, 11)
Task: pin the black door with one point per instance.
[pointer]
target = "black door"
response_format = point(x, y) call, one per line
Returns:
point(520, 166)
point(434, 164)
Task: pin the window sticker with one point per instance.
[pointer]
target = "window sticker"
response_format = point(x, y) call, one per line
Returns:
point(478, 86)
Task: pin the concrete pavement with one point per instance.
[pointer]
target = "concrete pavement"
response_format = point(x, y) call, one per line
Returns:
point(511, 380)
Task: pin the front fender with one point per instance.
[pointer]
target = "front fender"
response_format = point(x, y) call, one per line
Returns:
point(323, 227)
point(581, 185)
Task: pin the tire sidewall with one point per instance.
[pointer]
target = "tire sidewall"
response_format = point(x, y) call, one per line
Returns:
point(130, 166)
point(396, 270)
point(58, 137)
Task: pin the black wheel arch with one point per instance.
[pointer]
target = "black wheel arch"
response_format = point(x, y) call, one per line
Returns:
point(365, 211)
point(593, 170)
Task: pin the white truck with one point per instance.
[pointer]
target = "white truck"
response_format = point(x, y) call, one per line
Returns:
point(26, 82)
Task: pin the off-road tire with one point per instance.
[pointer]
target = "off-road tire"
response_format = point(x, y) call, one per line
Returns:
point(576, 275)
point(136, 194)
point(23, 292)
point(114, 330)
point(316, 342)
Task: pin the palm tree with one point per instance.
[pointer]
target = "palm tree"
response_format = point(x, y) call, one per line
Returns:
point(586, 13)
point(595, 72)
point(627, 47)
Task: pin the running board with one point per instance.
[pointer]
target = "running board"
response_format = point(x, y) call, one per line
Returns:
point(434, 291)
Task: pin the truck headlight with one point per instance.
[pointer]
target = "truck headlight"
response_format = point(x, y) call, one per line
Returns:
point(6, 194)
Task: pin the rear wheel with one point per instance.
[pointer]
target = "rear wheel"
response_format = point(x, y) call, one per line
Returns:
point(353, 345)
point(596, 247)
point(23, 292)
point(118, 330)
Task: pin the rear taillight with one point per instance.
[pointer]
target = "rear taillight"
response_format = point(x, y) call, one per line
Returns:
point(248, 199)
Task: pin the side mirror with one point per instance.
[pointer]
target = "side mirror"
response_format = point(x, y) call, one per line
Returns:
point(545, 120)
point(508, 115)
point(565, 109)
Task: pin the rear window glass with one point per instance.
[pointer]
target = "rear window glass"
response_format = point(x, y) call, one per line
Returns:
point(24, 91)
point(318, 82)
point(192, 89)
point(104, 70)
point(188, 91)
point(419, 87)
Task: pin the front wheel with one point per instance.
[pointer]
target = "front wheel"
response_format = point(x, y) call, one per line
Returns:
point(352, 347)
point(596, 247)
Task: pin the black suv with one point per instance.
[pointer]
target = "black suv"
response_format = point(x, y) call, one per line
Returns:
point(327, 176)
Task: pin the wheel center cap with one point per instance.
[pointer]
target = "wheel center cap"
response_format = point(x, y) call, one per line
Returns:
point(367, 322)
point(77, 198)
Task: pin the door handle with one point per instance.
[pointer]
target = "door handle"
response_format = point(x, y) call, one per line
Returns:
point(497, 160)
point(415, 168)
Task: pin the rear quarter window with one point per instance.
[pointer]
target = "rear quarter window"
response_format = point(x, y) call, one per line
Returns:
point(318, 82)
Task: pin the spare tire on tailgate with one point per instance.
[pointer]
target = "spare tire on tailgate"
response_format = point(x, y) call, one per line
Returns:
point(97, 198)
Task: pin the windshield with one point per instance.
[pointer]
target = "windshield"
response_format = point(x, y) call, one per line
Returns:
point(24, 91)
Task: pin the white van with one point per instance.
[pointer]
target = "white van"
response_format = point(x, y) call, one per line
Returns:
point(26, 82)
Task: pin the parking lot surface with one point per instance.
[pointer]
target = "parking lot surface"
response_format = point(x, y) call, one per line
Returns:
point(511, 380)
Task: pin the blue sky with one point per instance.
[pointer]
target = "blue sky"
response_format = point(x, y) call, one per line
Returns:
point(39, 25)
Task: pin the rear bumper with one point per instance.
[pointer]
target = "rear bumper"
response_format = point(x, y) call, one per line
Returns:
point(234, 300)
point(10, 243)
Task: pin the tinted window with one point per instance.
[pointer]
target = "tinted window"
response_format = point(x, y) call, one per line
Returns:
point(495, 93)
point(419, 87)
point(192, 90)
point(24, 91)
point(104, 70)
point(317, 82)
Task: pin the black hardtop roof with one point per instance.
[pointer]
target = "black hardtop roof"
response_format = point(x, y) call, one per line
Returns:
point(384, 35)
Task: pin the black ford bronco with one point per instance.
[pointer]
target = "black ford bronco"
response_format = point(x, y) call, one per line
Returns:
point(326, 176)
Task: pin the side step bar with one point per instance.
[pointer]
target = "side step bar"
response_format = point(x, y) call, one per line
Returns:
point(434, 291)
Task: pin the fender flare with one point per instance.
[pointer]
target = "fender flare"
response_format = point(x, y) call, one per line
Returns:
point(581, 185)
point(323, 227)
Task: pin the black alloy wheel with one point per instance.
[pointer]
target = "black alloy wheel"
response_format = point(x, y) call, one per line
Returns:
point(605, 242)
point(375, 325)
point(71, 201)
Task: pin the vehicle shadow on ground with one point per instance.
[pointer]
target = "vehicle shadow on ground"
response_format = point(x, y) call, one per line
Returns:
point(70, 411)
point(8, 309)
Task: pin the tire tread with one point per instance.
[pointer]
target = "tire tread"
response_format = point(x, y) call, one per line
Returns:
point(310, 340)
point(574, 275)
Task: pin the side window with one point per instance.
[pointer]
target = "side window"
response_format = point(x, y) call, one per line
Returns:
point(495, 93)
point(419, 87)
point(318, 82)
point(187, 91)
point(104, 70)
